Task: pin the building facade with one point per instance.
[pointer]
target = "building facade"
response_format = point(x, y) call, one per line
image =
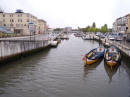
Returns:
point(122, 24)
point(18, 22)
point(42, 26)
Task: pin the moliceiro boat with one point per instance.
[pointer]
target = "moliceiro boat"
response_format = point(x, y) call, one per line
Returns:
point(94, 55)
point(112, 56)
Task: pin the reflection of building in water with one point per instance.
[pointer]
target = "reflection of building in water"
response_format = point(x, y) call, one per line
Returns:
point(110, 72)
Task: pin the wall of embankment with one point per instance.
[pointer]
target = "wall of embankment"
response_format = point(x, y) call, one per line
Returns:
point(14, 50)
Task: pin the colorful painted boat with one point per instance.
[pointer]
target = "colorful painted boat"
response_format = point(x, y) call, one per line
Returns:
point(112, 56)
point(94, 55)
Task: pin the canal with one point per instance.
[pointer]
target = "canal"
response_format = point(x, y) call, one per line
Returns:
point(60, 72)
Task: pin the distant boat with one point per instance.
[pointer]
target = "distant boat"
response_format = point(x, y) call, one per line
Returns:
point(94, 55)
point(87, 37)
point(110, 37)
point(112, 56)
point(54, 43)
point(66, 37)
point(78, 35)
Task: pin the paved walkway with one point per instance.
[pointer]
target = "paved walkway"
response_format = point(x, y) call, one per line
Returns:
point(35, 37)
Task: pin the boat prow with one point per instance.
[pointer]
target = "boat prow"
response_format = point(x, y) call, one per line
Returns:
point(112, 56)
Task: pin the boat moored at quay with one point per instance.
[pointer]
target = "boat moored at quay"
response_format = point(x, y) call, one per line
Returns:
point(94, 55)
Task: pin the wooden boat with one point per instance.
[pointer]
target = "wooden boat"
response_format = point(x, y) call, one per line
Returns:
point(112, 56)
point(94, 55)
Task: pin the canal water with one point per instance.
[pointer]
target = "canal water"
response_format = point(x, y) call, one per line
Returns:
point(60, 72)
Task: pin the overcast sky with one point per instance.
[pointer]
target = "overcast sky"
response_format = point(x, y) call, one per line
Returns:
point(74, 13)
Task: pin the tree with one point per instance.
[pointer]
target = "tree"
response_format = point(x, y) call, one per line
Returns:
point(104, 28)
point(94, 25)
point(58, 29)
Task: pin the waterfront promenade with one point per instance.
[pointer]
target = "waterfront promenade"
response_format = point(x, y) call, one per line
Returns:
point(122, 45)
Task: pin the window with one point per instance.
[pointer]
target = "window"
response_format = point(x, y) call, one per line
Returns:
point(27, 15)
point(19, 20)
point(3, 20)
point(3, 15)
point(11, 15)
point(27, 20)
point(4, 24)
point(17, 25)
point(11, 20)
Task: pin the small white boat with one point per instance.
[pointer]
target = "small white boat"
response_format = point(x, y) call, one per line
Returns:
point(54, 43)
point(87, 37)
point(66, 37)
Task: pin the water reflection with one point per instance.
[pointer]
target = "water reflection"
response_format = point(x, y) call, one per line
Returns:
point(13, 73)
point(111, 71)
point(89, 68)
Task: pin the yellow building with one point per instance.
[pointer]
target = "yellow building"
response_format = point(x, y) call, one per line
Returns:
point(18, 22)
point(42, 26)
point(128, 23)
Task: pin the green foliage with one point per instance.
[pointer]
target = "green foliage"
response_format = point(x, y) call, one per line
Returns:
point(93, 28)
point(58, 29)
point(104, 28)
point(94, 25)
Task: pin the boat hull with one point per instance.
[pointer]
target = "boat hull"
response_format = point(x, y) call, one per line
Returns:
point(111, 63)
point(89, 61)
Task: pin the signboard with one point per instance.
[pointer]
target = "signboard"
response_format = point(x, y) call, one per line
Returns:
point(31, 27)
